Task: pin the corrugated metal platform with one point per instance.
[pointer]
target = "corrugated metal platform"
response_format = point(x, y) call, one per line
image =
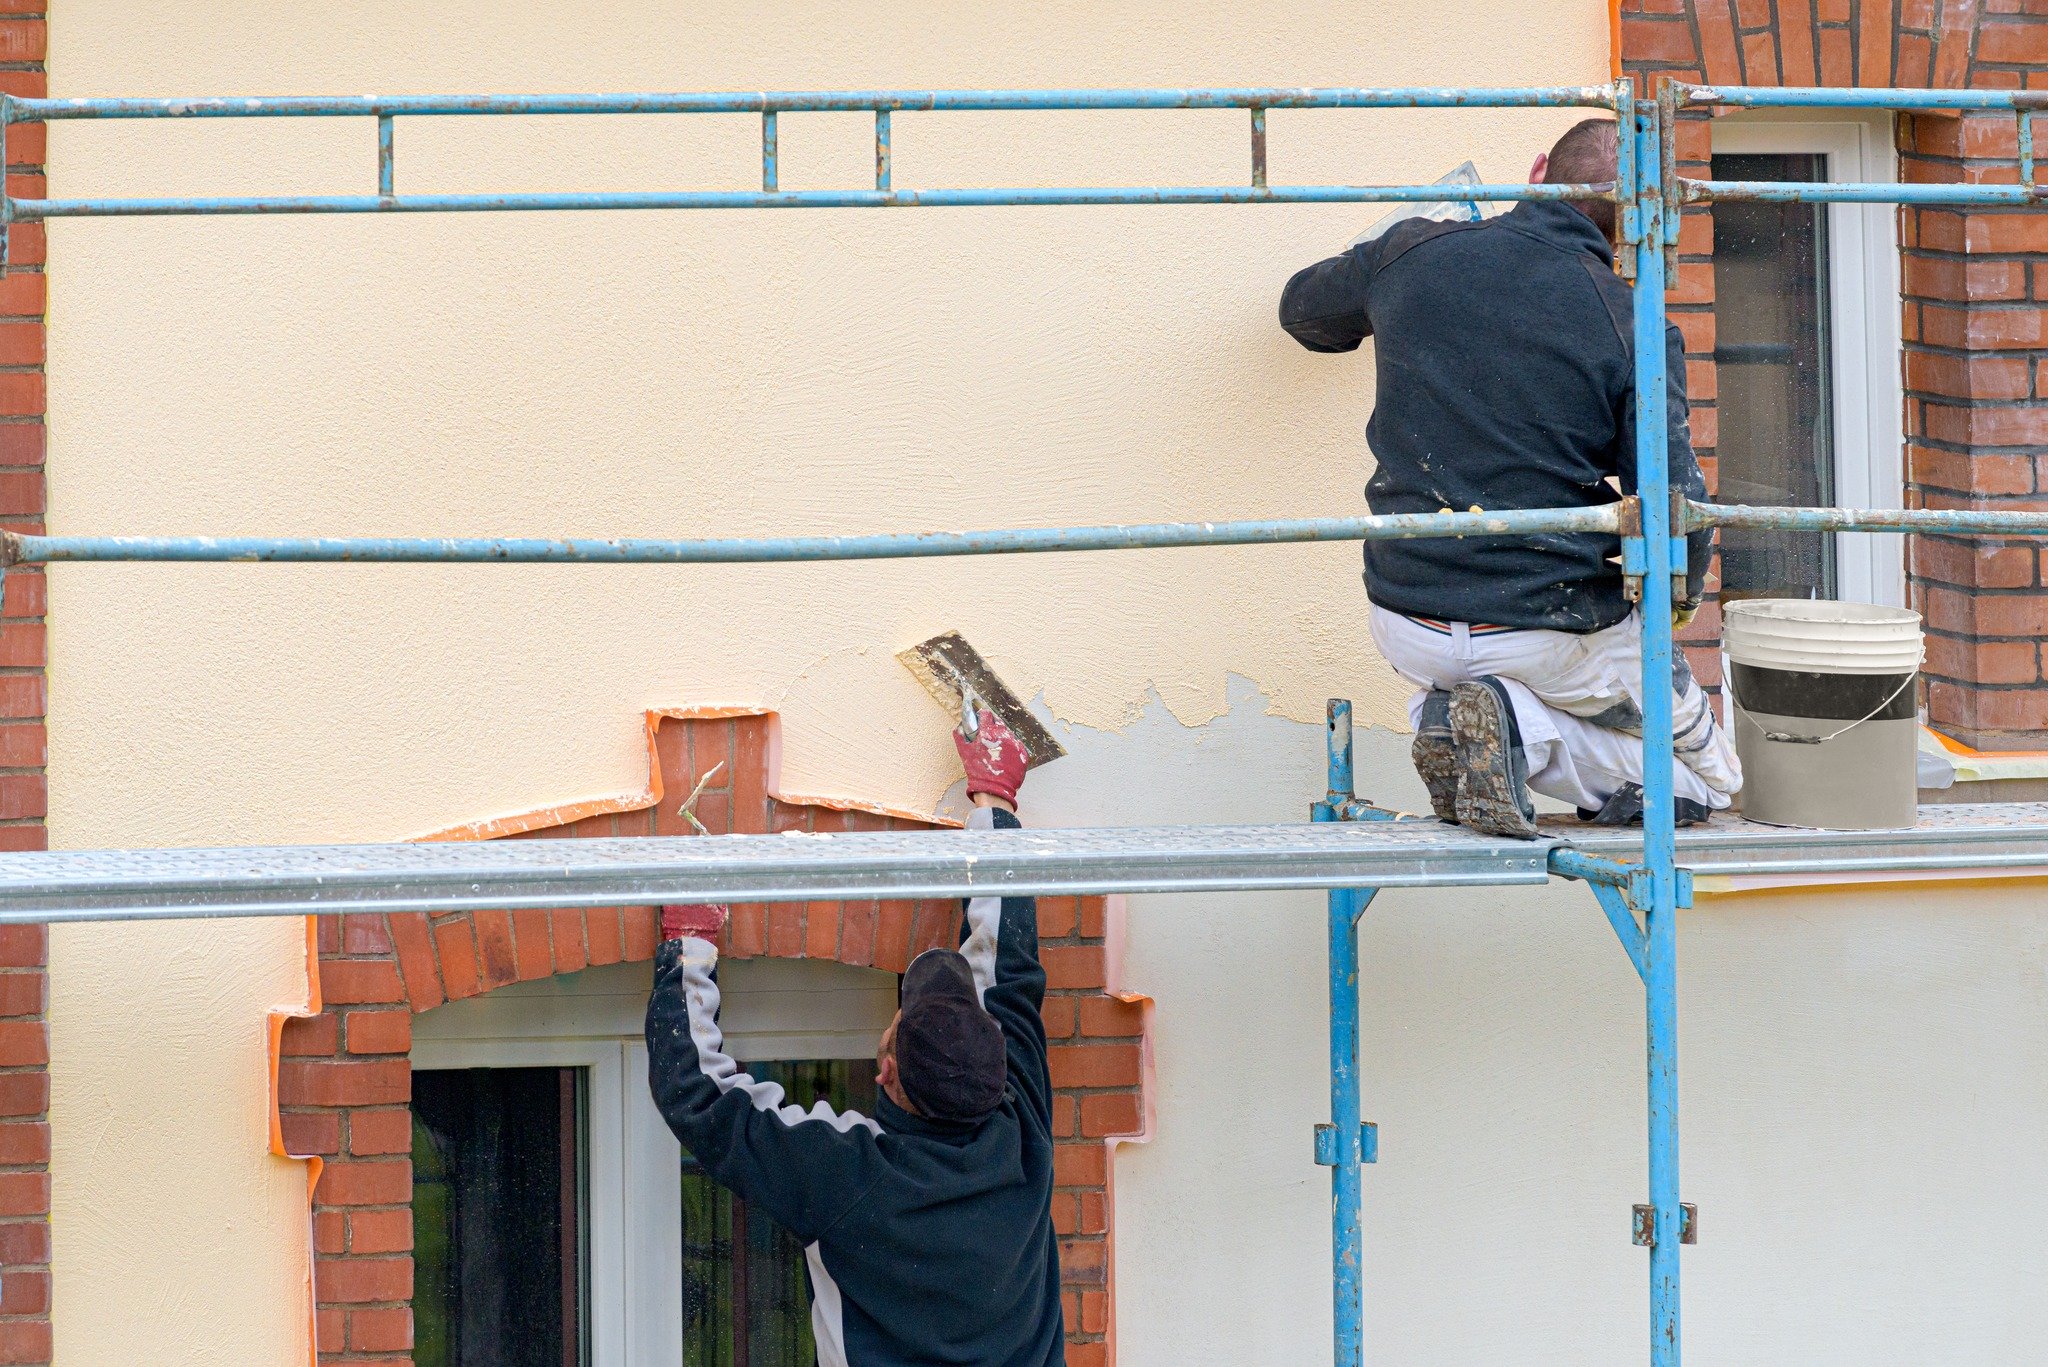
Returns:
point(293, 880)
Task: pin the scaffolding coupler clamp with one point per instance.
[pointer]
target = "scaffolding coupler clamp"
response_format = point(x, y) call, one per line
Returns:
point(1646, 1225)
point(1635, 552)
point(1629, 522)
point(10, 556)
point(1326, 1144)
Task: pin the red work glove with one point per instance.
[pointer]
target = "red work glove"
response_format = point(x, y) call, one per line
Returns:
point(994, 759)
point(701, 919)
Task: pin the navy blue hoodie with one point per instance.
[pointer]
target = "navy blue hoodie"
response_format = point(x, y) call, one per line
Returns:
point(929, 1244)
point(1505, 360)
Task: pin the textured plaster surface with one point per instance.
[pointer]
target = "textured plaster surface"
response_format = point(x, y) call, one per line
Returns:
point(652, 374)
point(700, 373)
point(1860, 1069)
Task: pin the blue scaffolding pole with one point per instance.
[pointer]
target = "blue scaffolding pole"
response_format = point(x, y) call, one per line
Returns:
point(1641, 900)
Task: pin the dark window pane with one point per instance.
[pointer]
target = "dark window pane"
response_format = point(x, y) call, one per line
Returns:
point(746, 1298)
point(498, 1264)
point(1774, 375)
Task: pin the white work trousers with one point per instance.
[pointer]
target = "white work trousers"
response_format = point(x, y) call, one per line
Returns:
point(1577, 700)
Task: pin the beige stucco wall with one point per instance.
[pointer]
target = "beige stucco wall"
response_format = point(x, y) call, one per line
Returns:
point(658, 374)
point(1861, 1069)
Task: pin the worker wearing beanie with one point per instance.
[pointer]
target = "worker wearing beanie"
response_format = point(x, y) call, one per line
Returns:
point(927, 1226)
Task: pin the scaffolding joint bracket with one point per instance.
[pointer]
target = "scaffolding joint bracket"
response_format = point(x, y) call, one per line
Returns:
point(6, 195)
point(1636, 888)
point(1326, 1144)
point(1635, 554)
point(10, 553)
point(1645, 1222)
point(1680, 524)
point(1348, 808)
point(1591, 868)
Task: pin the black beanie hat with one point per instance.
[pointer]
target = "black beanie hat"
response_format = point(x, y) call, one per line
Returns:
point(949, 1051)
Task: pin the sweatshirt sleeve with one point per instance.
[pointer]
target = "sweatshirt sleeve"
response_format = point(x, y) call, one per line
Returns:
point(1324, 305)
point(1685, 473)
point(999, 939)
point(805, 1169)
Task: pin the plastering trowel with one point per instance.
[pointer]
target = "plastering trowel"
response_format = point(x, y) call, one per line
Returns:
point(1439, 211)
point(953, 672)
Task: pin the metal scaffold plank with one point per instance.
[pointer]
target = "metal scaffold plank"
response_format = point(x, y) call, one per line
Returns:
point(1993, 837)
point(291, 880)
point(134, 884)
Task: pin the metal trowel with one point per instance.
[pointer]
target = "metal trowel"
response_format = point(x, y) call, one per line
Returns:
point(954, 673)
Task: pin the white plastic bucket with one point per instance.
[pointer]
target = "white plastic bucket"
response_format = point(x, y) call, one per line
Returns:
point(1820, 636)
point(1824, 711)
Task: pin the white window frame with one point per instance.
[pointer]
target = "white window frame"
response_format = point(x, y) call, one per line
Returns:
point(1868, 395)
point(603, 1062)
point(774, 1009)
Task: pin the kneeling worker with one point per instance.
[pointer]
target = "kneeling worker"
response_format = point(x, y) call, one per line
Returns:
point(928, 1226)
point(1506, 379)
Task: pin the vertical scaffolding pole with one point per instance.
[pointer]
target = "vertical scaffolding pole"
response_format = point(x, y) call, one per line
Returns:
point(1346, 1143)
point(1343, 1151)
point(1653, 484)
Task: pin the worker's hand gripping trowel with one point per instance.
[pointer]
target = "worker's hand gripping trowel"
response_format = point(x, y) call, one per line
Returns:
point(954, 673)
point(1437, 211)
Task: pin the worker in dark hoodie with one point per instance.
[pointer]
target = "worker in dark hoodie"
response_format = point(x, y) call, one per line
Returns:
point(927, 1227)
point(1505, 355)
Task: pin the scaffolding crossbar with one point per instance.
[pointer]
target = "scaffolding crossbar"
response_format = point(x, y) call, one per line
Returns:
point(17, 548)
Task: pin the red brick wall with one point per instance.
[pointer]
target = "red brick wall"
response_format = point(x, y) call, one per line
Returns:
point(345, 1081)
point(24, 1034)
point(1975, 312)
point(1976, 327)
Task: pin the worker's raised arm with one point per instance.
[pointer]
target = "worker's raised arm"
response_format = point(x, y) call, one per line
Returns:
point(1324, 306)
point(804, 1168)
point(1686, 478)
point(999, 935)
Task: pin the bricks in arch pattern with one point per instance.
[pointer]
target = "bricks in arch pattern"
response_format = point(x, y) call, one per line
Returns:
point(343, 1080)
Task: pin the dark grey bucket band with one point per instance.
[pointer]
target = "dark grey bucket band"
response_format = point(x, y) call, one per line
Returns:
point(1824, 697)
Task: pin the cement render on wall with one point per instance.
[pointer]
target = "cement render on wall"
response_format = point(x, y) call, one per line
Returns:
point(1861, 1076)
point(766, 373)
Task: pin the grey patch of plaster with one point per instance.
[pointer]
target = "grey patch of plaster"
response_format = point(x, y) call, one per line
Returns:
point(1246, 765)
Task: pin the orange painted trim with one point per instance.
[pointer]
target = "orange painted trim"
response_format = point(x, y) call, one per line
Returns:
point(1614, 39)
point(563, 814)
point(568, 813)
point(274, 1025)
point(847, 804)
point(1785, 883)
point(1956, 747)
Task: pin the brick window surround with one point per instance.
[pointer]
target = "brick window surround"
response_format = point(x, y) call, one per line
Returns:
point(342, 1078)
point(1975, 310)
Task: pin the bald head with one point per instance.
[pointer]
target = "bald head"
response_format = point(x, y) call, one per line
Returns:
point(1585, 155)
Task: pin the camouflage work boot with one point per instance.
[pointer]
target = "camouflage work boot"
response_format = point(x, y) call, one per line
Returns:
point(1436, 756)
point(1492, 769)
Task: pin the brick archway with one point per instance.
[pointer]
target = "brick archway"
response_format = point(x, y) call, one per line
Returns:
point(343, 1079)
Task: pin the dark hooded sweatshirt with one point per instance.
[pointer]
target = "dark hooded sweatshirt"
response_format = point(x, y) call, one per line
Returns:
point(928, 1244)
point(1505, 361)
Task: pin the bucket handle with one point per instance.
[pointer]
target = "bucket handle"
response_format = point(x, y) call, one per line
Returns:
point(1787, 738)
